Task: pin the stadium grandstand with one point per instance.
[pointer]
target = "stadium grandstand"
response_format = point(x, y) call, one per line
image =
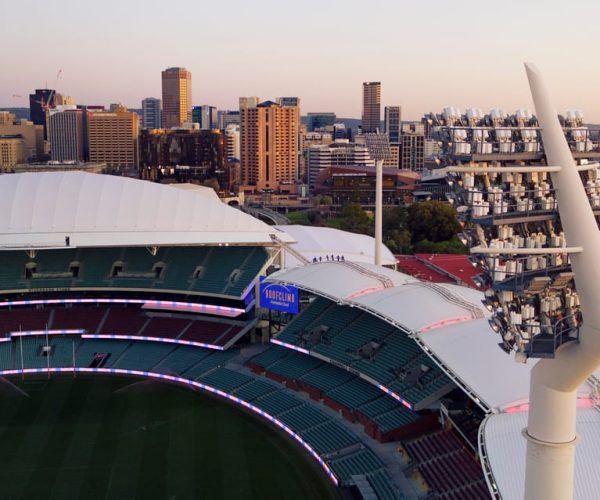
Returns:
point(391, 384)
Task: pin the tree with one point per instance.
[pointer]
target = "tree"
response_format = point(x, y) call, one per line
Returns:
point(434, 221)
point(354, 219)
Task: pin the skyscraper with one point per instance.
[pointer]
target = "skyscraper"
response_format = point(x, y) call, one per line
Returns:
point(113, 137)
point(391, 124)
point(412, 147)
point(38, 102)
point(176, 96)
point(371, 115)
point(151, 113)
point(269, 145)
point(206, 116)
point(65, 133)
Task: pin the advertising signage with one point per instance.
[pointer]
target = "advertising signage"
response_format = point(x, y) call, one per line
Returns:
point(278, 297)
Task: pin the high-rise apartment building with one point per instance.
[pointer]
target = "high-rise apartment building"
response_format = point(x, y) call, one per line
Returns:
point(232, 141)
point(113, 137)
point(392, 123)
point(371, 114)
point(176, 96)
point(412, 147)
point(151, 113)
point(206, 116)
point(269, 145)
point(65, 133)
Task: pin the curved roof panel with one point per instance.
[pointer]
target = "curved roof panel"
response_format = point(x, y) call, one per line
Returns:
point(448, 321)
point(322, 242)
point(506, 452)
point(41, 209)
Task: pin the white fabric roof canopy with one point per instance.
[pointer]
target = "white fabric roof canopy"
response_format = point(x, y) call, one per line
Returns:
point(40, 209)
point(324, 242)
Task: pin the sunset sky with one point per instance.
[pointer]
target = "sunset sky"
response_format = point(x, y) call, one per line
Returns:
point(427, 54)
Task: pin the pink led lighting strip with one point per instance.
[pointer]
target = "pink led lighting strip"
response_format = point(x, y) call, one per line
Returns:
point(165, 305)
point(151, 339)
point(189, 383)
point(33, 333)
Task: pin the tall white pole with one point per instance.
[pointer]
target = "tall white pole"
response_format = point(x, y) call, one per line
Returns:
point(378, 210)
point(550, 432)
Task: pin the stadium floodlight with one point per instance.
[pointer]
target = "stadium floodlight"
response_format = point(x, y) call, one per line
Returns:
point(551, 433)
point(379, 149)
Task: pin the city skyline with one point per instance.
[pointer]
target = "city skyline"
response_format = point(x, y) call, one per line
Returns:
point(433, 43)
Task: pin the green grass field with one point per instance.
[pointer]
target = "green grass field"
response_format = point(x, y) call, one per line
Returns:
point(119, 438)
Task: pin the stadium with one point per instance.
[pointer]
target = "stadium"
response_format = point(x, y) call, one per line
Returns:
point(381, 385)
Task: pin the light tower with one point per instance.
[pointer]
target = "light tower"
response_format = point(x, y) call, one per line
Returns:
point(532, 227)
point(550, 432)
point(379, 149)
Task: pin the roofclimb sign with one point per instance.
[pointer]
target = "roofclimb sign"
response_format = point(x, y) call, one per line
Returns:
point(278, 297)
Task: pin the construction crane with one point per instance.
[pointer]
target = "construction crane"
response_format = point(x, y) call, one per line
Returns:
point(45, 104)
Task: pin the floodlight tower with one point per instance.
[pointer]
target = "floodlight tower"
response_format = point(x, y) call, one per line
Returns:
point(550, 433)
point(379, 149)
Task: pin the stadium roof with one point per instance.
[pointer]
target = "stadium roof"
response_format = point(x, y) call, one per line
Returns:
point(448, 321)
point(506, 452)
point(324, 242)
point(40, 209)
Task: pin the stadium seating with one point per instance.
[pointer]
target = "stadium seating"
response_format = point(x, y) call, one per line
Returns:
point(143, 355)
point(225, 379)
point(6, 355)
point(329, 437)
point(124, 321)
point(255, 389)
point(368, 345)
point(216, 359)
point(170, 328)
point(23, 319)
point(179, 360)
point(131, 321)
point(303, 417)
point(215, 270)
point(85, 354)
point(359, 462)
point(86, 318)
point(205, 331)
point(449, 469)
point(337, 384)
point(382, 485)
